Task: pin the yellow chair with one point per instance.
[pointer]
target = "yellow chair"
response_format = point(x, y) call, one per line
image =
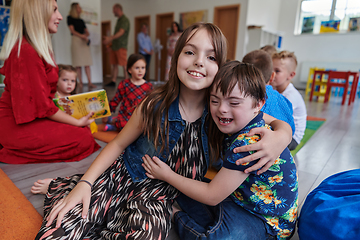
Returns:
point(310, 80)
point(320, 81)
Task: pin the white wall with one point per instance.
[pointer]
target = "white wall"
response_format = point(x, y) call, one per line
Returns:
point(264, 13)
point(275, 15)
point(136, 8)
point(320, 48)
point(62, 39)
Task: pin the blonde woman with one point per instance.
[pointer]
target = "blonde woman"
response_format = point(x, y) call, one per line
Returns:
point(32, 128)
point(80, 50)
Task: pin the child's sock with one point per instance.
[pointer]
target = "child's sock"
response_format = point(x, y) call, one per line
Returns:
point(109, 119)
point(109, 127)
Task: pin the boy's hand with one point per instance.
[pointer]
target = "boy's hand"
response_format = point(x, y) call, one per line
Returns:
point(155, 168)
point(268, 149)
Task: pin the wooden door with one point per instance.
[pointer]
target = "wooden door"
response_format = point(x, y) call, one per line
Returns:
point(105, 31)
point(227, 19)
point(139, 21)
point(163, 29)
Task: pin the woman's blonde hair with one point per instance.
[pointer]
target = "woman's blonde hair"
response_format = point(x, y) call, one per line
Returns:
point(73, 11)
point(158, 102)
point(30, 19)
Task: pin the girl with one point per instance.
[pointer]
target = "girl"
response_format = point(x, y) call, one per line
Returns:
point(263, 206)
point(116, 198)
point(129, 94)
point(32, 128)
point(66, 85)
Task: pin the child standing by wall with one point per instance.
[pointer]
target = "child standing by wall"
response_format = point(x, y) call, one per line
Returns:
point(276, 105)
point(114, 198)
point(256, 206)
point(129, 94)
point(285, 64)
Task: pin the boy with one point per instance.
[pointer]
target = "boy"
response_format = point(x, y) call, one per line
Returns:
point(276, 105)
point(285, 64)
point(246, 206)
point(270, 49)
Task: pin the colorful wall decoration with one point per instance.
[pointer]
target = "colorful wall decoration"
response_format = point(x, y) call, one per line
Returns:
point(329, 26)
point(354, 24)
point(188, 18)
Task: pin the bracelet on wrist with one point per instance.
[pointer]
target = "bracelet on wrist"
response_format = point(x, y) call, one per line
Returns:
point(85, 181)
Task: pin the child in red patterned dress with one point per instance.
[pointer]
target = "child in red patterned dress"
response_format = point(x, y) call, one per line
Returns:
point(129, 94)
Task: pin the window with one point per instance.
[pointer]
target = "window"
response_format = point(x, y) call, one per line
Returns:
point(320, 16)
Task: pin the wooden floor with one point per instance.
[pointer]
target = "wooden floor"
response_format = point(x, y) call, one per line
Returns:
point(333, 148)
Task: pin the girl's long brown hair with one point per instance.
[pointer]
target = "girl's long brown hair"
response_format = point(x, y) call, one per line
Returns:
point(158, 102)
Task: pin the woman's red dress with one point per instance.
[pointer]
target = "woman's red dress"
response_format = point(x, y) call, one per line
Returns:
point(26, 134)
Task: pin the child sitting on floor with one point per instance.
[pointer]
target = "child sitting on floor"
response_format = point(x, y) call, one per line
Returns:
point(248, 206)
point(129, 94)
point(285, 64)
point(66, 86)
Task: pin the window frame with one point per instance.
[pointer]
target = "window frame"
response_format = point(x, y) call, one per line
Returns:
point(344, 22)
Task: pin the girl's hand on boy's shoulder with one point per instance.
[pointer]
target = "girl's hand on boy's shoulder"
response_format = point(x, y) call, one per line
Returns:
point(155, 168)
point(267, 150)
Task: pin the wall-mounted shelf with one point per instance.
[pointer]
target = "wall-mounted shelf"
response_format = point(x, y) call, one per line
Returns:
point(259, 37)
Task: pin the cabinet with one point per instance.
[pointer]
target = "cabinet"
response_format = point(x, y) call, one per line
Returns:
point(257, 38)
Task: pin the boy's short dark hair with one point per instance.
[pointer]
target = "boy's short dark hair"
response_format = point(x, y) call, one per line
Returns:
point(247, 76)
point(270, 49)
point(261, 60)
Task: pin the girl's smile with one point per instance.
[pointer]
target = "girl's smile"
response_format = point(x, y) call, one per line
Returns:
point(55, 19)
point(197, 65)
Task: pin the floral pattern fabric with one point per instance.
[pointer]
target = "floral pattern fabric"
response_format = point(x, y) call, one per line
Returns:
point(272, 195)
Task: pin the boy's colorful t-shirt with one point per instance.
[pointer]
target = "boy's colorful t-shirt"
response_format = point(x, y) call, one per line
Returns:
point(273, 195)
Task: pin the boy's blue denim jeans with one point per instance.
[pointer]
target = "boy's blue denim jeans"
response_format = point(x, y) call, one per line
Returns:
point(227, 221)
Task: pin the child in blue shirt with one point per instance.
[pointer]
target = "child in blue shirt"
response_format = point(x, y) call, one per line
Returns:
point(276, 105)
point(247, 205)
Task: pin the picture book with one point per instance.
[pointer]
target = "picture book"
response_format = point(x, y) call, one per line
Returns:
point(79, 105)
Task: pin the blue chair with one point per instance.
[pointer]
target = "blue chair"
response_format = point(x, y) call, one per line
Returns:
point(332, 210)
